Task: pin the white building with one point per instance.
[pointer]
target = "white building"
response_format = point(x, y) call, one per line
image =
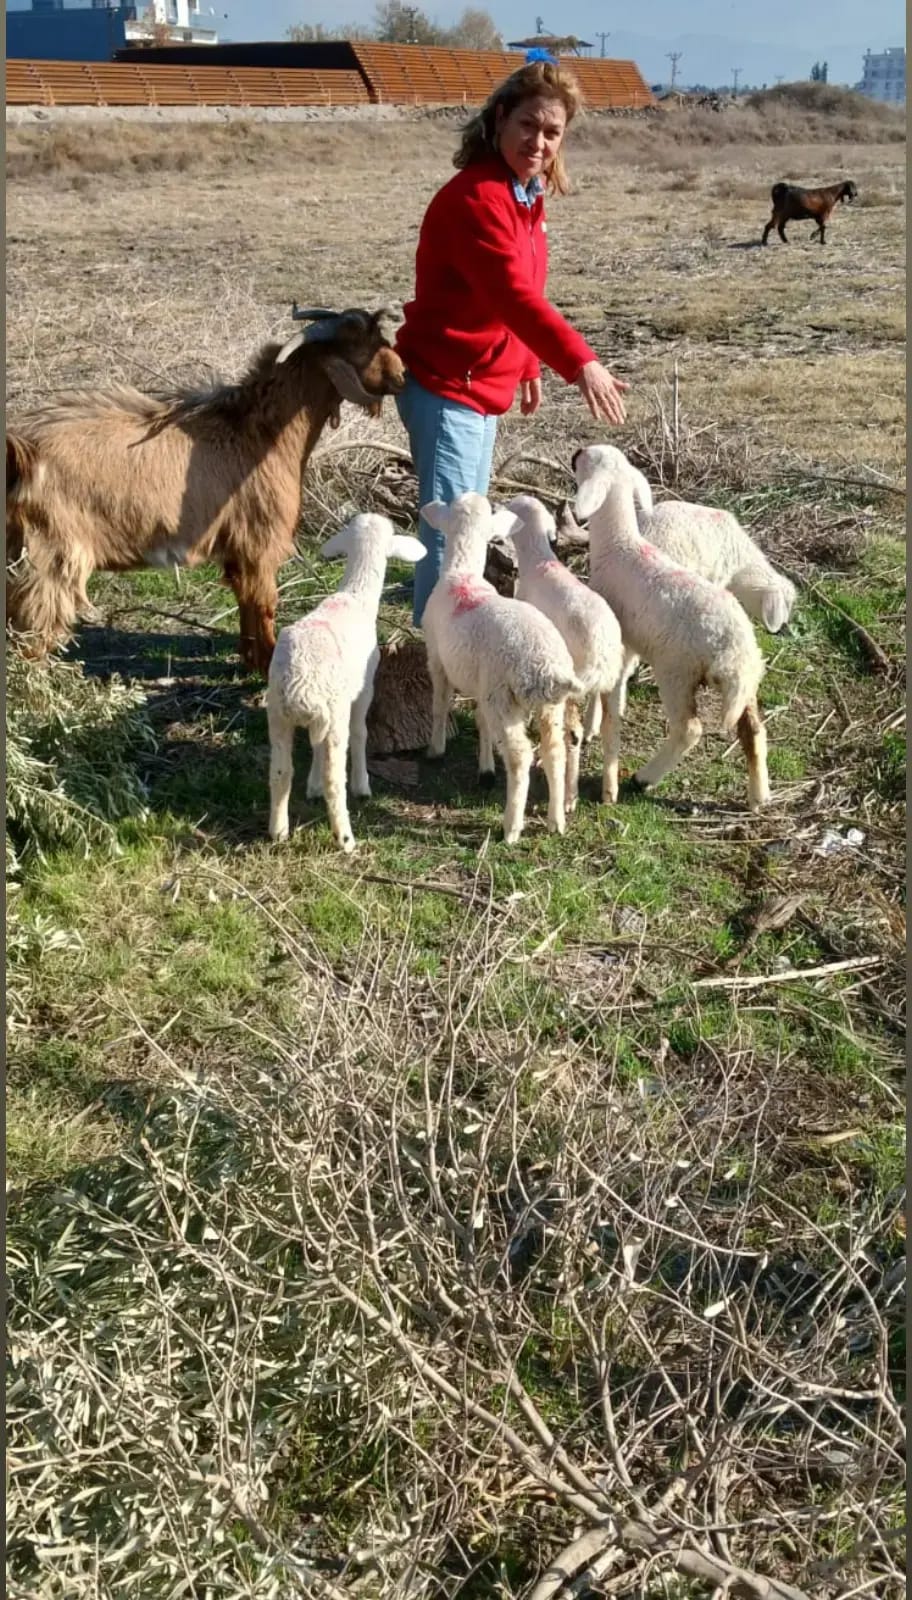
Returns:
point(885, 76)
point(182, 18)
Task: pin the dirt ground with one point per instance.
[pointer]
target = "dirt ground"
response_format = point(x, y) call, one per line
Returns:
point(187, 251)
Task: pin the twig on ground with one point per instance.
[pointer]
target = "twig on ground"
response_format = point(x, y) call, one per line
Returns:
point(792, 975)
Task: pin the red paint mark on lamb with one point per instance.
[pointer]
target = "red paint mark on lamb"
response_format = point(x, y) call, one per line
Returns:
point(553, 568)
point(467, 594)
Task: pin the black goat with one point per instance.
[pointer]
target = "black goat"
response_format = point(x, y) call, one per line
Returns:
point(791, 204)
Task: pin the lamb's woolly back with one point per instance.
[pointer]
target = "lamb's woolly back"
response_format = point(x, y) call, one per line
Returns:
point(713, 542)
point(690, 631)
point(502, 653)
point(322, 672)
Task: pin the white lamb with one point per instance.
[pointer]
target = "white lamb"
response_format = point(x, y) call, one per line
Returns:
point(713, 543)
point(587, 626)
point(322, 676)
point(691, 632)
point(503, 654)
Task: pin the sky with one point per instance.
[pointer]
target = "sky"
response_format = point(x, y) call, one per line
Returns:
point(775, 38)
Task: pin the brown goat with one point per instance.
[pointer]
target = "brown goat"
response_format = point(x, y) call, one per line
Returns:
point(112, 480)
point(791, 204)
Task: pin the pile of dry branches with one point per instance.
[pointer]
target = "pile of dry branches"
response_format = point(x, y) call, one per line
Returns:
point(395, 1319)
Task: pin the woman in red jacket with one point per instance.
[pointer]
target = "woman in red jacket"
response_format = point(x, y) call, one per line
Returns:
point(479, 326)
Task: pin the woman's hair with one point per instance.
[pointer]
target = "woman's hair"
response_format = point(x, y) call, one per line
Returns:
point(538, 80)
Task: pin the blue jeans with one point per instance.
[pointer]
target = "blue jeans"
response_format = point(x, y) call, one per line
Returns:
point(451, 447)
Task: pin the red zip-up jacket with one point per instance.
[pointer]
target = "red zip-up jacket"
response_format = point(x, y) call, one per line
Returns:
point(479, 322)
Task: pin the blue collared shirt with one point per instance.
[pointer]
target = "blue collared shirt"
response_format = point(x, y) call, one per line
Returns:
point(526, 195)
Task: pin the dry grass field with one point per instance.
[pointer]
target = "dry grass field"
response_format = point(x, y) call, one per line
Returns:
point(379, 1226)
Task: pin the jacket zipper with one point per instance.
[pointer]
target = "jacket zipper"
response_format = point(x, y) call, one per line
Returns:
point(467, 380)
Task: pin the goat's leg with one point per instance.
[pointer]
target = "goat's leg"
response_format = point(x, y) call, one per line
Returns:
point(573, 742)
point(685, 730)
point(334, 757)
point(752, 738)
point(486, 774)
point(281, 768)
point(780, 229)
point(821, 231)
point(45, 588)
point(257, 598)
point(443, 699)
point(553, 751)
point(612, 715)
point(767, 230)
point(517, 754)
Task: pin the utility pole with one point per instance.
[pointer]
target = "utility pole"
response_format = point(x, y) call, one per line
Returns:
point(736, 73)
point(410, 14)
point(779, 78)
point(674, 57)
point(601, 38)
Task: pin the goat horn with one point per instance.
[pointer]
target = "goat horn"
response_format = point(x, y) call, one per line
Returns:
point(310, 313)
point(321, 332)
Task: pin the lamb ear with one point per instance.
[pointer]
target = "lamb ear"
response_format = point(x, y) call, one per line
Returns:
point(589, 496)
point(338, 545)
point(503, 524)
point(404, 548)
point(642, 493)
point(437, 515)
point(774, 609)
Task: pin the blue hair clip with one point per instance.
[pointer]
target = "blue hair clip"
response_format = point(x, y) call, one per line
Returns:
point(538, 54)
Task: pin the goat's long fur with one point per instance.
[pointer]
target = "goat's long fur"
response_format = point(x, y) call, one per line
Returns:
point(114, 479)
point(791, 203)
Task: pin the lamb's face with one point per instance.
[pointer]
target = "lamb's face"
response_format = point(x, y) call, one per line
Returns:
point(535, 529)
point(597, 468)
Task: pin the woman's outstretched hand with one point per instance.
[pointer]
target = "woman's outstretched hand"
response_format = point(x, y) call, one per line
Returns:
point(530, 396)
point(602, 393)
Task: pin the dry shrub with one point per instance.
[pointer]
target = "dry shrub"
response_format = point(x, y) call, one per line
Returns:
point(110, 146)
point(72, 749)
point(386, 1314)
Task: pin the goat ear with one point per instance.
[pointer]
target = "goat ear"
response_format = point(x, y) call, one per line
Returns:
point(405, 548)
point(346, 382)
point(437, 515)
point(589, 495)
point(504, 524)
point(642, 493)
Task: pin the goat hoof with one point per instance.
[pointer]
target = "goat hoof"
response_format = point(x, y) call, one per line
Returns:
point(347, 844)
point(487, 780)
